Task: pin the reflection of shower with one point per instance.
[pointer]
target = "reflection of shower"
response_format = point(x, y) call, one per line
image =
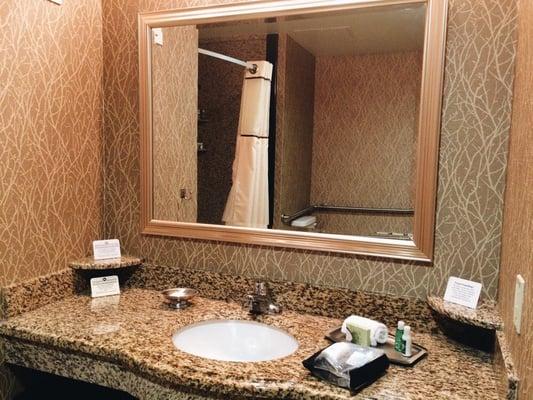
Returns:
point(248, 200)
point(252, 69)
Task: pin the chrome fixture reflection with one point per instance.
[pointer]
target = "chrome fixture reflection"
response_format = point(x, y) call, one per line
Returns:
point(261, 301)
point(179, 297)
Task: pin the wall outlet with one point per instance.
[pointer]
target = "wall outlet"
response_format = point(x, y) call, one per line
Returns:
point(57, 1)
point(519, 291)
point(158, 36)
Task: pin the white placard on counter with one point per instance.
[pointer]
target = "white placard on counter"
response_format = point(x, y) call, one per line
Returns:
point(104, 249)
point(463, 292)
point(105, 286)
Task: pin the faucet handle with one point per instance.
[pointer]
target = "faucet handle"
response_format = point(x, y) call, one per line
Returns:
point(248, 301)
point(261, 288)
point(274, 308)
point(253, 304)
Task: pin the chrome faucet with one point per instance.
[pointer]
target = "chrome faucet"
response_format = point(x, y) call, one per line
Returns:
point(261, 301)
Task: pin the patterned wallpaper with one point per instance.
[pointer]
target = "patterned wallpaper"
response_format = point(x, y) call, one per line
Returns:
point(294, 128)
point(476, 116)
point(219, 94)
point(51, 183)
point(364, 141)
point(50, 124)
point(517, 243)
point(175, 93)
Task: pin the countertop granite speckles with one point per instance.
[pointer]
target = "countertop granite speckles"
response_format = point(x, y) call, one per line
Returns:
point(134, 332)
point(89, 263)
point(46, 289)
point(505, 369)
point(484, 316)
point(294, 296)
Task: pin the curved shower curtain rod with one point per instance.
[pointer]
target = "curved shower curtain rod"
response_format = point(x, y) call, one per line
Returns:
point(224, 57)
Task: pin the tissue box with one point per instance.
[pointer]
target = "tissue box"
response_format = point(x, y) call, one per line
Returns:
point(359, 377)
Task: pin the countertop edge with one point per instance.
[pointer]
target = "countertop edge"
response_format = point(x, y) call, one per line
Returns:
point(504, 363)
point(75, 364)
point(88, 368)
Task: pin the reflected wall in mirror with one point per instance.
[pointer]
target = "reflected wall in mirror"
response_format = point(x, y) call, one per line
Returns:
point(304, 122)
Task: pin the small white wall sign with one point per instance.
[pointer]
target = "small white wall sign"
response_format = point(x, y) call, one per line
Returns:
point(105, 249)
point(462, 292)
point(105, 286)
point(57, 1)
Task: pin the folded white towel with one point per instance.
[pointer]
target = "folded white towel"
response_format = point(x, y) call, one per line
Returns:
point(378, 331)
point(337, 353)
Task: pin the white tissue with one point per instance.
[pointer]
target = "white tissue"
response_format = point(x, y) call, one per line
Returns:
point(340, 358)
point(378, 331)
point(340, 351)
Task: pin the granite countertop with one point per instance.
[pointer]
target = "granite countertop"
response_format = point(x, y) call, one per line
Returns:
point(135, 330)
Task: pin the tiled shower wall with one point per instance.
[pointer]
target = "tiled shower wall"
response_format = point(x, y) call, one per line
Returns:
point(476, 117)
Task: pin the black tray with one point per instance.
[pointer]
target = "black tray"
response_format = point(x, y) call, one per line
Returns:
point(359, 377)
point(395, 357)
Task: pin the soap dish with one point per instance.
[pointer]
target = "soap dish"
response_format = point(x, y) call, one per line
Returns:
point(179, 297)
point(395, 357)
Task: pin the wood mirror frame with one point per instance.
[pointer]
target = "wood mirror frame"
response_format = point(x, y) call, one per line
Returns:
point(421, 247)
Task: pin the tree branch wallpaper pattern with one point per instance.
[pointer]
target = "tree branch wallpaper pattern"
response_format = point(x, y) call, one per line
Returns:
point(364, 154)
point(477, 99)
point(51, 155)
point(65, 68)
point(51, 172)
point(295, 98)
point(174, 126)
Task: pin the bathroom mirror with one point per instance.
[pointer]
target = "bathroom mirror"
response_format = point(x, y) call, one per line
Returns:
point(299, 124)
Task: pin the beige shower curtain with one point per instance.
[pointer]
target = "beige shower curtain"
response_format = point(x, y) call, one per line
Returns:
point(247, 203)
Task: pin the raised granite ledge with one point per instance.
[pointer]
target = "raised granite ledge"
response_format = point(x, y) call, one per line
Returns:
point(484, 316)
point(89, 263)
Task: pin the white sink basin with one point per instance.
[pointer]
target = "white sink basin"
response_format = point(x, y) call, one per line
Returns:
point(235, 340)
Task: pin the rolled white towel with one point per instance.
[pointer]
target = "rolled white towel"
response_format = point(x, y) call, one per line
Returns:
point(378, 331)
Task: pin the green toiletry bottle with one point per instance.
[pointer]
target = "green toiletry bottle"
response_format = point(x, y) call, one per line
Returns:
point(398, 337)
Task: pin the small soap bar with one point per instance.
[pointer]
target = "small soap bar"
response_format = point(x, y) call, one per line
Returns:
point(360, 336)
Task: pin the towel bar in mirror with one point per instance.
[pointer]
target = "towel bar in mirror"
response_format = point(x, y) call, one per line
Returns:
point(303, 124)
